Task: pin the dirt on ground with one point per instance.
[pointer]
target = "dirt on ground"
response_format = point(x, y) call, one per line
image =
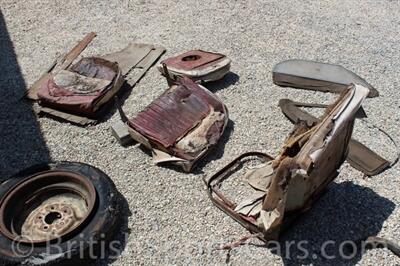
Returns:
point(170, 220)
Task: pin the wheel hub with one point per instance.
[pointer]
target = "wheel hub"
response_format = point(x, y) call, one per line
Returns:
point(46, 207)
point(53, 219)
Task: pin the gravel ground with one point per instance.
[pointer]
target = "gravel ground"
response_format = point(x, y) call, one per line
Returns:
point(171, 220)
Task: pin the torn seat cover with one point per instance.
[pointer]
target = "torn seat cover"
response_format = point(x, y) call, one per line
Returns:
point(181, 125)
point(198, 65)
point(288, 185)
point(80, 93)
point(83, 88)
point(359, 156)
point(317, 76)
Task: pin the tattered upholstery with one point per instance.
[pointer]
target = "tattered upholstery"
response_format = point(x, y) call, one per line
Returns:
point(83, 88)
point(290, 183)
point(182, 124)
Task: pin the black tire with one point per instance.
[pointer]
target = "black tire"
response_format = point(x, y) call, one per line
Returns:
point(75, 250)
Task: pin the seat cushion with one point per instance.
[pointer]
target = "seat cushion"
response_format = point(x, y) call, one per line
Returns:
point(81, 88)
point(183, 121)
point(198, 65)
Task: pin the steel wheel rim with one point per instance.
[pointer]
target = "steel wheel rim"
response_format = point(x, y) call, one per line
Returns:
point(47, 206)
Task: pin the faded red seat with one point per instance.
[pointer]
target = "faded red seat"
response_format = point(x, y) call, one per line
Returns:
point(182, 124)
point(83, 88)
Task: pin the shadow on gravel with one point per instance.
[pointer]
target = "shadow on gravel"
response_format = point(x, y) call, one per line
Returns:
point(21, 142)
point(119, 241)
point(218, 151)
point(229, 79)
point(331, 232)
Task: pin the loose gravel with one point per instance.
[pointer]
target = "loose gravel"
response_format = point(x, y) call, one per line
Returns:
point(170, 220)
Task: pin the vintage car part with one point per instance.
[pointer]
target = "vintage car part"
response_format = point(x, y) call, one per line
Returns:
point(83, 88)
point(84, 94)
point(61, 63)
point(288, 185)
point(135, 60)
point(317, 76)
point(66, 204)
point(197, 65)
point(181, 125)
point(359, 156)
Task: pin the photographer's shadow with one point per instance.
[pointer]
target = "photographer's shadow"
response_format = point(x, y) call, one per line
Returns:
point(116, 245)
point(335, 226)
